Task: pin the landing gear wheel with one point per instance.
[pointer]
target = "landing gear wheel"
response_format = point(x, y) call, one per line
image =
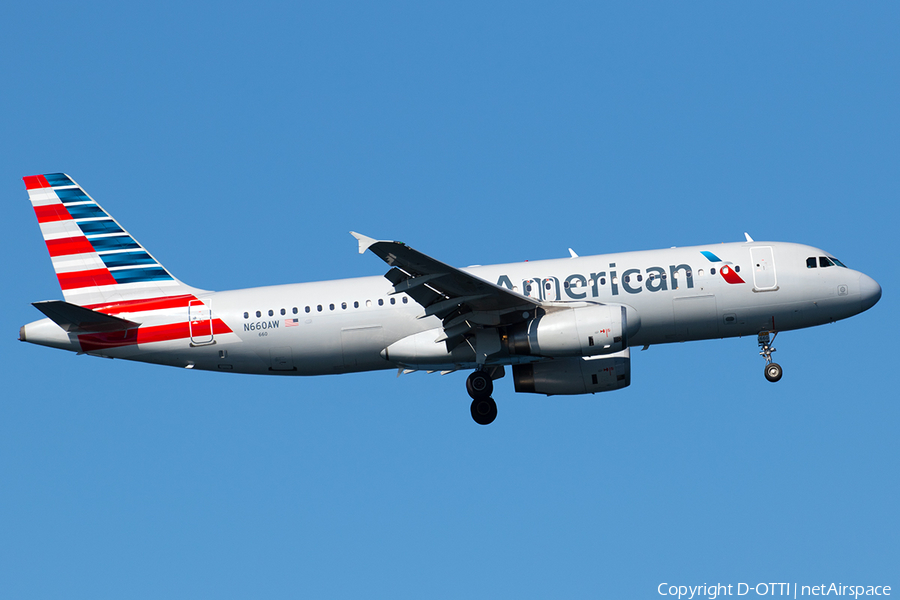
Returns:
point(484, 410)
point(773, 372)
point(479, 385)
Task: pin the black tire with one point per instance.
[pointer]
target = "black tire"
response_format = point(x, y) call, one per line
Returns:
point(773, 372)
point(479, 385)
point(484, 410)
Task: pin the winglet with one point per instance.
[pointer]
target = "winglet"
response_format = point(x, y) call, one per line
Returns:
point(364, 241)
point(747, 235)
point(572, 253)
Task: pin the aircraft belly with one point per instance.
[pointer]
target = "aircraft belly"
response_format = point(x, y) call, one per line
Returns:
point(330, 344)
point(696, 318)
point(361, 347)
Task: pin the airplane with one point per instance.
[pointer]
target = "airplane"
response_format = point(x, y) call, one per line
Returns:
point(563, 326)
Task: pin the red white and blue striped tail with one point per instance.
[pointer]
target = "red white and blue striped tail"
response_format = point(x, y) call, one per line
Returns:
point(95, 259)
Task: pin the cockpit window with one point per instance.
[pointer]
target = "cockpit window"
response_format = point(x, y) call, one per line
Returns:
point(811, 262)
point(824, 261)
point(837, 262)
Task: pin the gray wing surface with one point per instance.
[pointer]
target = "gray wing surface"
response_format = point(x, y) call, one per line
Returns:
point(461, 300)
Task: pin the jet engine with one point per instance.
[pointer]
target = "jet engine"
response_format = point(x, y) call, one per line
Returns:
point(567, 376)
point(585, 330)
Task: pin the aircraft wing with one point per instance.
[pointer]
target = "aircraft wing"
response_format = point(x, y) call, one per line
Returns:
point(461, 300)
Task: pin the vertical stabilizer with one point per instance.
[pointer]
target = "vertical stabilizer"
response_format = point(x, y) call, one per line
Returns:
point(95, 259)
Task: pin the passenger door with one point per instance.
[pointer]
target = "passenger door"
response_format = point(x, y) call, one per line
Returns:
point(200, 322)
point(763, 268)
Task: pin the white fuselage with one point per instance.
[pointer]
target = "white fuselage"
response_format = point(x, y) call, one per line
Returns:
point(345, 325)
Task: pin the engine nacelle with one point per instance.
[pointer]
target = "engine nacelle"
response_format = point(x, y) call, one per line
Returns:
point(585, 330)
point(571, 376)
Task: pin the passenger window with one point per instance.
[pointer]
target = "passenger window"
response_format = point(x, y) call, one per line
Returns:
point(319, 308)
point(824, 262)
point(344, 305)
point(640, 277)
point(271, 312)
point(246, 315)
point(283, 311)
point(258, 314)
point(307, 309)
point(603, 281)
point(355, 304)
point(700, 272)
point(811, 262)
point(405, 299)
point(381, 302)
point(737, 268)
point(627, 278)
point(393, 301)
point(295, 311)
point(712, 270)
point(331, 307)
point(368, 303)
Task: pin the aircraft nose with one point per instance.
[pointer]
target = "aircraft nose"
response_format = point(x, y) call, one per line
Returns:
point(869, 291)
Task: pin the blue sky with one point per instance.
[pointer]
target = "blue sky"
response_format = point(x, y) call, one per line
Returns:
point(240, 144)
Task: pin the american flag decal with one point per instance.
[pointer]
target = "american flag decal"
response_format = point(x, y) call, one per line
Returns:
point(291, 322)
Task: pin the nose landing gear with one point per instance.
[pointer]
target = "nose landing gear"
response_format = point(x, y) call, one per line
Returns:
point(773, 370)
point(480, 386)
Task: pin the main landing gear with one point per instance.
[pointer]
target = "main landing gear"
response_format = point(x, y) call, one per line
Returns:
point(480, 386)
point(773, 370)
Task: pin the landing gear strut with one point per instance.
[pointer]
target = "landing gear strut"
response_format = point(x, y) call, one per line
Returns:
point(773, 370)
point(480, 386)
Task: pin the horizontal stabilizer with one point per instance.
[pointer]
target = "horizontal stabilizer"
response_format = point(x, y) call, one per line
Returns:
point(77, 319)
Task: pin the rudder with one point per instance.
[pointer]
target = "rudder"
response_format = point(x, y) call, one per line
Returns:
point(96, 261)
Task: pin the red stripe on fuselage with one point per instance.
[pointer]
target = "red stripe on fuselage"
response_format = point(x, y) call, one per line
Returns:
point(143, 305)
point(66, 246)
point(144, 335)
point(52, 212)
point(81, 279)
point(33, 182)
